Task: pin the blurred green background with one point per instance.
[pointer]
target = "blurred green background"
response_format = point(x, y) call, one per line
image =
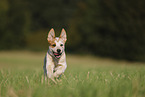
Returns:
point(107, 28)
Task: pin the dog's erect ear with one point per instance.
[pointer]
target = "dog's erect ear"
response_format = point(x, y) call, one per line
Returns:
point(63, 35)
point(51, 35)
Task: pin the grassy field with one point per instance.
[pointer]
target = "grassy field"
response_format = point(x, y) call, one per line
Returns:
point(21, 75)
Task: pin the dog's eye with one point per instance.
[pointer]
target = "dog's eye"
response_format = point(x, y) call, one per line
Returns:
point(61, 44)
point(54, 45)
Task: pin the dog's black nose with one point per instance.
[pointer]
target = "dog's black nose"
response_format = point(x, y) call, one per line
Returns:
point(58, 50)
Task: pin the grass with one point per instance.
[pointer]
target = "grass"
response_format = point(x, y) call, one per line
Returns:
point(21, 75)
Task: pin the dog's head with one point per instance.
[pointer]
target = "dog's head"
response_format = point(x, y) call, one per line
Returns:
point(57, 44)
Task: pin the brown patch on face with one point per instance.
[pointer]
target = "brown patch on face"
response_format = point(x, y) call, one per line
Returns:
point(53, 45)
point(51, 42)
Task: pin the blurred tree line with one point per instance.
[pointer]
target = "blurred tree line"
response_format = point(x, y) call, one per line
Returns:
point(107, 28)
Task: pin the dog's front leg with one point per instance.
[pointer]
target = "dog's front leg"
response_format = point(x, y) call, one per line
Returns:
point(50, 73)
point(59, 70)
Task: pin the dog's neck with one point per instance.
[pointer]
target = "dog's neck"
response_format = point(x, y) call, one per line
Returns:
point(56, 60)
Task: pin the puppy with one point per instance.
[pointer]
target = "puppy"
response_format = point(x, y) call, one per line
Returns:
point(55, 59)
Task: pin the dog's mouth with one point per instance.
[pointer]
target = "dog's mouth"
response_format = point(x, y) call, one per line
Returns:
point(57, 55)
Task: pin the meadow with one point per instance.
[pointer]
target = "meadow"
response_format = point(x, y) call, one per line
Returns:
point(21, 75)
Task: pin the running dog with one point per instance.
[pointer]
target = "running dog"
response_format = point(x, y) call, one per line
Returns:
point(55, 59)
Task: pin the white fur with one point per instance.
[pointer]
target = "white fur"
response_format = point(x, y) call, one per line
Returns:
point(54, 64)
point(54, 67)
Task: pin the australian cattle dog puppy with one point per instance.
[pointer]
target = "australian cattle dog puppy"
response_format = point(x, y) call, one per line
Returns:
point(55, 59)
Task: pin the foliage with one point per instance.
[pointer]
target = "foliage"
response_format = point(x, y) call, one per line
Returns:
point(106, 28)
point(110, 28)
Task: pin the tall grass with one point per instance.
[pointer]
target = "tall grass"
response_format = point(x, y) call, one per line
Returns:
point(21, 75)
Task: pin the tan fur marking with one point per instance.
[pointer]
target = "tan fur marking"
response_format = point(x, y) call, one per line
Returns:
point(51, 42)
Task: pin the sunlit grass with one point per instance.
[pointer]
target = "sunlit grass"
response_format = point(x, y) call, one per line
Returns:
point(21, 75)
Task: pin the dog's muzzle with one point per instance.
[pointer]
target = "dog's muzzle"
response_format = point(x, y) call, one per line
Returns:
point(57, 55)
